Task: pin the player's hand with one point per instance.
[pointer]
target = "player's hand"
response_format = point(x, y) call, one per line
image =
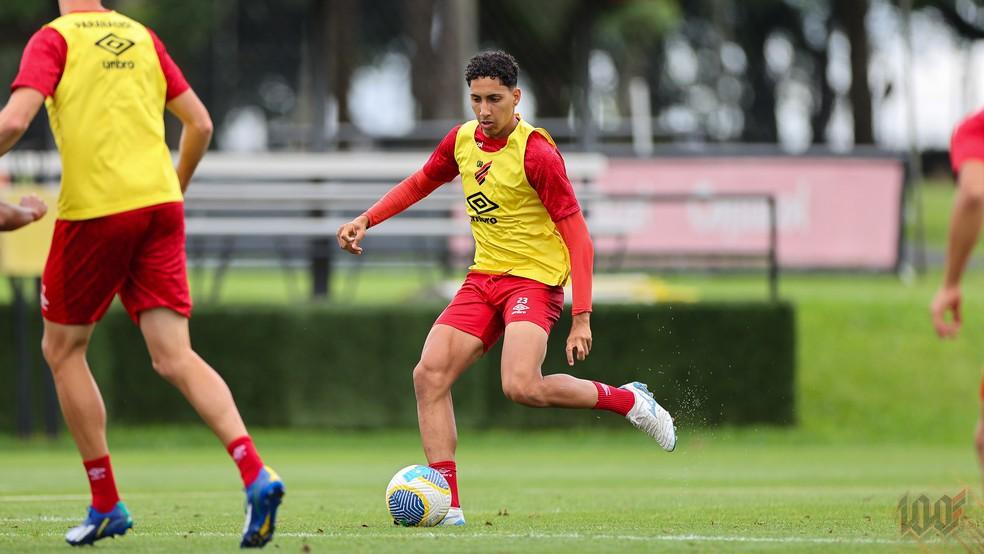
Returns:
point(579, 340)
point(35, 205)
point(947, 299)
point(351, 234)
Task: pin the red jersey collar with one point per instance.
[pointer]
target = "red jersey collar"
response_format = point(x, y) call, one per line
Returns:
point(489, 143)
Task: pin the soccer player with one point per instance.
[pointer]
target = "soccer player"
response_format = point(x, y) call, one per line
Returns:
point(529, 236)
point(967, 161)
point(30, 209)
point(106, 80)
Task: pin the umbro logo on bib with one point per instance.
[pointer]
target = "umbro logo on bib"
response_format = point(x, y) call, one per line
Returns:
point(481, 203)
point(114, 44)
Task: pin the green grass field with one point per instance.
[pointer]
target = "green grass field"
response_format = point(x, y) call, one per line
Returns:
point(536, 492)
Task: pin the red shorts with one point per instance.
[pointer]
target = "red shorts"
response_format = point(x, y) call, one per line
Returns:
point(967, 142)
point(139, 255)
point(485, 304)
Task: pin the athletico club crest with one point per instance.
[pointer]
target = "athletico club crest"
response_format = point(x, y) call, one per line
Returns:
point(481, 203)
point(115, 44)
point(483, 172)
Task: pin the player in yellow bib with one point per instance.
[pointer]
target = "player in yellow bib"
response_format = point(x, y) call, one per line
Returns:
point(530, 237)
point(106, 80)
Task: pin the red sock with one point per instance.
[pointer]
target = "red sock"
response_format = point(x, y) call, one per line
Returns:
point(244, 454)
point(614, 399)
point(450, 472)
point(101, 482)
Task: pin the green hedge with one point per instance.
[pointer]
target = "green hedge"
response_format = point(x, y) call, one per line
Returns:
point(351, 367)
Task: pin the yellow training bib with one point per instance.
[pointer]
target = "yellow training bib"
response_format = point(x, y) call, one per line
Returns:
point(513, 231)
point(107, 116)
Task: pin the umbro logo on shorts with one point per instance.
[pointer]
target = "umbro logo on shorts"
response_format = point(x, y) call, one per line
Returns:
point(522, 306)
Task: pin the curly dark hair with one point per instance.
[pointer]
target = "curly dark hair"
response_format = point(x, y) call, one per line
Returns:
point(494, 64)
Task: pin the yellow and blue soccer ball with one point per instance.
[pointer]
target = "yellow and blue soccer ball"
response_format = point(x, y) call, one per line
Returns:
point(418, 496)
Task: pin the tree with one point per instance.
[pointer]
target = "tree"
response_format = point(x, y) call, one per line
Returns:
point(436, 56)
point(19, 19)
point(343, 18)
point(966, 28)
point(849, 16)
point(633, 33)
point(540, 37)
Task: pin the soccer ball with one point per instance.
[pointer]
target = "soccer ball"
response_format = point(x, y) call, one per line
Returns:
point(418, 496)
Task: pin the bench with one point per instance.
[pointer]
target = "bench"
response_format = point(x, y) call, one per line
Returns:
point(303, 198)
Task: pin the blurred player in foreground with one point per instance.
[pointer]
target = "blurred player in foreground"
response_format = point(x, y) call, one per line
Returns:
point(107, 80)
point(31, 208)
point(967, 161)
point(530, 236)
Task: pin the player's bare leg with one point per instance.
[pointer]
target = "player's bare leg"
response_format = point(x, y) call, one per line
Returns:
point(523, 350)
point(447, 353)
point(64, 348)
point(169, 344)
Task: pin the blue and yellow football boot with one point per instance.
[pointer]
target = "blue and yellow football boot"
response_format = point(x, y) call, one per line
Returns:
point(262, 500)
point(98, 525)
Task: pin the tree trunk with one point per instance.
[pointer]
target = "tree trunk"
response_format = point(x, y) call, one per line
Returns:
point(760, 118)
point(437, 72)
point(549, 67)
point(849, 15)
point(341, 42)
point(824, 107)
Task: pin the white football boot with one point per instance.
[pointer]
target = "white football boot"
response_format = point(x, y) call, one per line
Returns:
point(648, 415)
point(455, 517)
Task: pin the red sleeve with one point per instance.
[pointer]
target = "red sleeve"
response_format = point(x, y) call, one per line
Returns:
point(546, 172)
point(574, 230)
point(176, 82)
point(410, 191)
point(43, 62)
point(442, 166)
